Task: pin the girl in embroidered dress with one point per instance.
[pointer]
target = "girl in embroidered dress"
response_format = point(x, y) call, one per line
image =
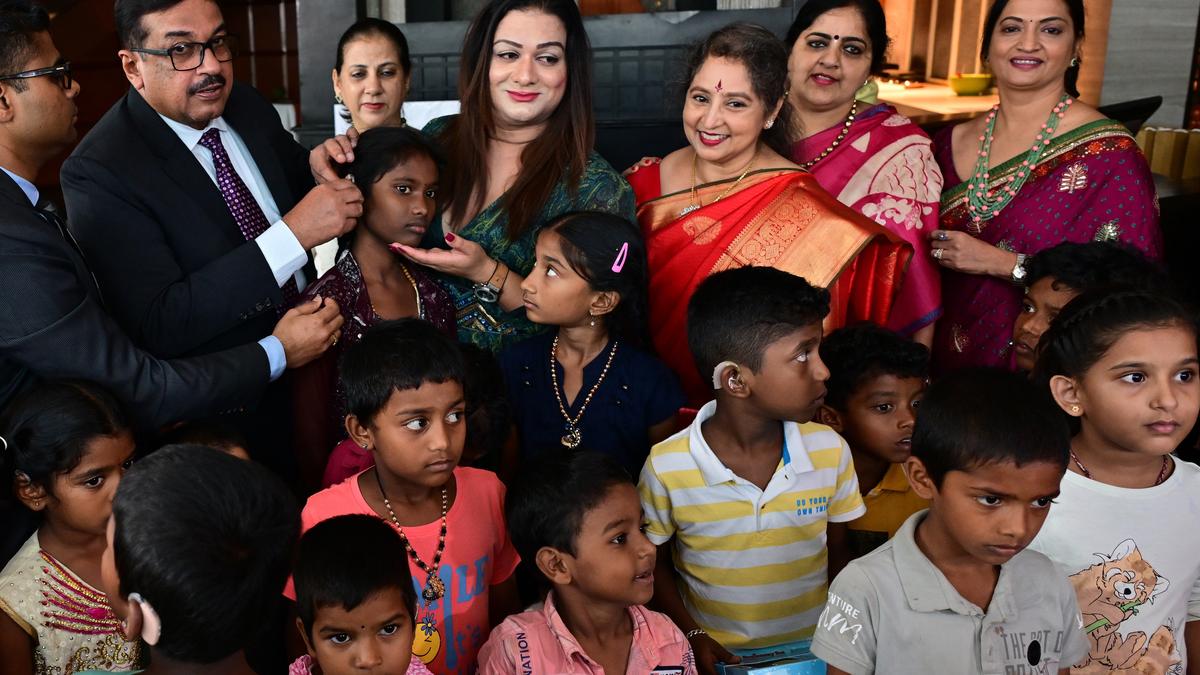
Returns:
point(66, 445)
point(587, 383)
point(397, 170)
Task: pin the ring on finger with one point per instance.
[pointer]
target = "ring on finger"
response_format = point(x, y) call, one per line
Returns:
point(333, 341)
point(943, 235)
point(938, 253)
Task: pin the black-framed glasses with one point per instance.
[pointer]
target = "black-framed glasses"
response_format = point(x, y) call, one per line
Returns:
point(190, 55)
point(60, 72)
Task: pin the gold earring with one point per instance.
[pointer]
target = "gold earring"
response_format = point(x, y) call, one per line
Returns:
point(1075, 410)
point(338, 98)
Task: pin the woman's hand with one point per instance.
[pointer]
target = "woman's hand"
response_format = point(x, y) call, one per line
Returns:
point(465, 259)
point(961, 252)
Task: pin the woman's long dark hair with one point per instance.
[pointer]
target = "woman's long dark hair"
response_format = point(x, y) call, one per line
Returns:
point(1074, 8)
point(560, 151)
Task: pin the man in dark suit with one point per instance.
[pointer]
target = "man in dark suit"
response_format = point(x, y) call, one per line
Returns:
point(52, 320)
point(193, 205)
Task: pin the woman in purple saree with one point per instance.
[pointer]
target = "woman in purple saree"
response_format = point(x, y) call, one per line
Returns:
point(1084, 179)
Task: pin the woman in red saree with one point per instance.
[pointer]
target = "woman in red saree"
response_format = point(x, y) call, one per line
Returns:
point(731, 199)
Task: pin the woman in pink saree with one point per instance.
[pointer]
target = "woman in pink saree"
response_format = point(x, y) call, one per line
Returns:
point(871, 158)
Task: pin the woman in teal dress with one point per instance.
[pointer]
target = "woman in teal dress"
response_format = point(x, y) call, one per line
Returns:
point(518, 155)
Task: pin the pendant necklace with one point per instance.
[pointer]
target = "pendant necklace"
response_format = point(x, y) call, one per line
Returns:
point(837, 141)
point(434, 588)
point(572, 438)
point(696, 203)
point(984, 204)
point(1162, 473)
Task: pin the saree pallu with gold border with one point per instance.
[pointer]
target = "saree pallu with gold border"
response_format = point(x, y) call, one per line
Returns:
point(778, 218)
point(1092, 183)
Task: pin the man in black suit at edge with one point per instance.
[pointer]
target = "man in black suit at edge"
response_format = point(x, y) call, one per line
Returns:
point(194, 206)
point(52, 320)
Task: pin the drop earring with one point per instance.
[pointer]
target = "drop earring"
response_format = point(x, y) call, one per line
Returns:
point(338, 98)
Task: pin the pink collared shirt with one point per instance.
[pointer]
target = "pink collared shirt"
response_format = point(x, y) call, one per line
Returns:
point(538, 642)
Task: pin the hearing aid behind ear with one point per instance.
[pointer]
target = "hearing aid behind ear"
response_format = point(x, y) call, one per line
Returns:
point(716, 376)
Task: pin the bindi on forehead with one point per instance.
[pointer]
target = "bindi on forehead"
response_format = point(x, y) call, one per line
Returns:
point(720, 86)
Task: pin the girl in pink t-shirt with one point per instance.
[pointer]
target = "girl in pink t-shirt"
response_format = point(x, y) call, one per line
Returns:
point(405, 401)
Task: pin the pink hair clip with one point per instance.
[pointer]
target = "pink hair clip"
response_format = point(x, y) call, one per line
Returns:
point(622, 255)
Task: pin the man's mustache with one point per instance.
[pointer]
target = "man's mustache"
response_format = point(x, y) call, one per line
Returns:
point(208, 81)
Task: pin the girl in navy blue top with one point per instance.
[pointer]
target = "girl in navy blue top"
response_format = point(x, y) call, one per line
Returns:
point(587, 384)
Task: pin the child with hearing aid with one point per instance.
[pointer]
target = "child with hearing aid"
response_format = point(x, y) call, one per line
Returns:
point(749, 504)
point(198, 546)
point(1122, 364)
point(64, 447)
point(587, 382)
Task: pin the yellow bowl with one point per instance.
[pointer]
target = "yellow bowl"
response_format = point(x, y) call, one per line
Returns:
point(971, 84)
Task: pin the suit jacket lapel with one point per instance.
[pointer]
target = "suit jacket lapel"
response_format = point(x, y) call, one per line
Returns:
point(181, 165)
point(258, 142)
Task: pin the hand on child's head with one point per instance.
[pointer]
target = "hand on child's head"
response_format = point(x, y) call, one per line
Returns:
point(376, 635)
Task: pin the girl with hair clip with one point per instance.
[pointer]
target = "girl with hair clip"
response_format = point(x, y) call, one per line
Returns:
point(587, 383)
point(65, 447)
point(1123, 365)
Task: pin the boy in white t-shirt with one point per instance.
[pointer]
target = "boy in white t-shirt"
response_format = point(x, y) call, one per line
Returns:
point(955, 591)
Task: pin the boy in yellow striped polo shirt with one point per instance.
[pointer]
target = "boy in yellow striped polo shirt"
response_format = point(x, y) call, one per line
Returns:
point(748, 505)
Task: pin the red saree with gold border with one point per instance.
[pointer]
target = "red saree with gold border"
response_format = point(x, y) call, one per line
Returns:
point(777, 218)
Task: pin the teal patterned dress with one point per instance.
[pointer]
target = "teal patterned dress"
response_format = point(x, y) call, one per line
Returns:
point(485, 324)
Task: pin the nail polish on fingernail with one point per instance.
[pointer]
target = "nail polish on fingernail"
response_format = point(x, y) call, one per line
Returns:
point(450, 236)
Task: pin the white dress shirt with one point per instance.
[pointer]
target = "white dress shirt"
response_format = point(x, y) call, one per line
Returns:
point(283, 252)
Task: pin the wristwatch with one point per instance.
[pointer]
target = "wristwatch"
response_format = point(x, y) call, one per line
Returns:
point(489, 291)
point(1018, 270)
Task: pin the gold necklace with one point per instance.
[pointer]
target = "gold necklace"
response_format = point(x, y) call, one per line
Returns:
point(416, 293)
point(573, 437)
point(434, 588)
point(837, 141)
point(696, 203)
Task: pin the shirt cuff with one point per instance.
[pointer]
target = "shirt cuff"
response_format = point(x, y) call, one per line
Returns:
point(285, 256)
point(276, 357)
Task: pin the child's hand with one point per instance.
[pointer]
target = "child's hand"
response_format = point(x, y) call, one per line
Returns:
point(709, 652)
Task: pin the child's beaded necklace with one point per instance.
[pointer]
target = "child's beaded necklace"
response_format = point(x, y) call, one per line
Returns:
point(984, 204)
point(434, 588)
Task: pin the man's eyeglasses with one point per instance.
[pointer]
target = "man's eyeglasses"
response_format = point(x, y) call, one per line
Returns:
point(190, 55)
point(61, 72)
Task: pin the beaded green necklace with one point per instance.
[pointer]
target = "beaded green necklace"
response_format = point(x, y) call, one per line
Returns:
point(984, 204)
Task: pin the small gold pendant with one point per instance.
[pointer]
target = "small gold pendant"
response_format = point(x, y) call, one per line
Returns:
point(434, 589)
point(572, 439)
